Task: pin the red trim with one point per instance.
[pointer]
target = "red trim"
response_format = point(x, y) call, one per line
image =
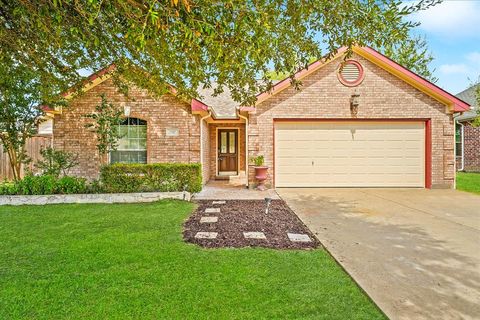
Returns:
point(347, 83)
point(459, 105)
point(428, 137)
point(428, 154)
point(286, 82)
point(197, 105)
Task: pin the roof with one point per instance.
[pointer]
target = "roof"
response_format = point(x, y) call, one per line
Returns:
point(454, 103)
point(468, 95)
point(224, 107)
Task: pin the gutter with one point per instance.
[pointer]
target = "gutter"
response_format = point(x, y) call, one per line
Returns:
point(246, 145)
point(201, 139)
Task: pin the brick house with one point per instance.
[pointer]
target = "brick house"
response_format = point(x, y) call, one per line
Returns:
point(467, 137)
point(366, 122)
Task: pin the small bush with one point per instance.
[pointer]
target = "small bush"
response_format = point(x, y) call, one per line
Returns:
point(71, 185)
point(121, 177)
point(44, 184)
point(56, 162)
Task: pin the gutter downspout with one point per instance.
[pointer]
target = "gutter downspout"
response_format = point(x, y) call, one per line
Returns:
point(201, 140)
point(246, 145)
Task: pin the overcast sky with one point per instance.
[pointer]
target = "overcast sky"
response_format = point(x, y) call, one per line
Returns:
point(452, 30)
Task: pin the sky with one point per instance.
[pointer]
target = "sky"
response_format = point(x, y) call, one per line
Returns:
point(452, 31)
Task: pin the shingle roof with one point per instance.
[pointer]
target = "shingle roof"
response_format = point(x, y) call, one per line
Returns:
point(468, 95)
point(223, 105)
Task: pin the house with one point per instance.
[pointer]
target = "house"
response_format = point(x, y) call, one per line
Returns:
point(364, 122)
point(467, 137)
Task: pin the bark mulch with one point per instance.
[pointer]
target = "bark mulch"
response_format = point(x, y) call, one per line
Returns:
point(238, 216)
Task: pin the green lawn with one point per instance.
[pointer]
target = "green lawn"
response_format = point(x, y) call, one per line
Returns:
point(129, 261)
point(468, 182)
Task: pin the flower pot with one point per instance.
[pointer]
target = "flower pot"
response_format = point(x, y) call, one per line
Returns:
point(261, 174)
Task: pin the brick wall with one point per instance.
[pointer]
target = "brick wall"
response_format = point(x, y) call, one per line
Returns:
point(471, 148)
point(214, 145)
point(382, 95)
point(167, 112)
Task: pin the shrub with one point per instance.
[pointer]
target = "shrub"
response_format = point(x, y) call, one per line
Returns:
point(29, 185)
point(44, 184)
point(54, 162)
point(70, 185)
point(121, 177)
point(8, 188)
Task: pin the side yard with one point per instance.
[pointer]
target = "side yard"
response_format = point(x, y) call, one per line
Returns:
point(469, 182)
point(129, 261)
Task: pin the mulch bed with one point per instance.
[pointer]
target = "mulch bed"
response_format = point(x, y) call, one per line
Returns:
point(238, 216)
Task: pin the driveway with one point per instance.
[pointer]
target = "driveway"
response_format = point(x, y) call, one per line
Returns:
point(416, 252)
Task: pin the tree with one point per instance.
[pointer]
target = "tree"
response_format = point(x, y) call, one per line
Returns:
point(413, 54)
point(189, 43)
point(19, 111)
point(56, 162)
point(476, 121)
point(106, 119)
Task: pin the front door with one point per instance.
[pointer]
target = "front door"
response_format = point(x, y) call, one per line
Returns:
point(227, 152)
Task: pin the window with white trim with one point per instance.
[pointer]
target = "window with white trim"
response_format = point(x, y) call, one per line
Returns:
point(132, 146)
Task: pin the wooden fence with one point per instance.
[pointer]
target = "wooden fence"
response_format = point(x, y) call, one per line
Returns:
point(34, 145)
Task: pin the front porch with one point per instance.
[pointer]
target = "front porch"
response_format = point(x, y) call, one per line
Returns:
point(226, 190)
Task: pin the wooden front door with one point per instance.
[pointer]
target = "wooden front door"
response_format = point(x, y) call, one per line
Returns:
point(227, 152)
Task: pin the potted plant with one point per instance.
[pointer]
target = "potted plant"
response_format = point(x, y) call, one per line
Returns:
point(260, 171)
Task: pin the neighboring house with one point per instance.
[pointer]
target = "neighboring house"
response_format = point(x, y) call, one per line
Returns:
point(467, 137)
point(371, 123)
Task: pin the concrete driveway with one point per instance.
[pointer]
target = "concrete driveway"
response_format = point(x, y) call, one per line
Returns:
point(416, 252)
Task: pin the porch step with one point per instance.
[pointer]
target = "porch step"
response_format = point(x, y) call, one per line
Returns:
point(222, 177)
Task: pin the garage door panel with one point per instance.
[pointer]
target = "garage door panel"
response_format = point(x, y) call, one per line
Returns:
point(350, 154)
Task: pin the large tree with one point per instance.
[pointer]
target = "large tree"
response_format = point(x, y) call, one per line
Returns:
point(19, 111)
point(187, 43)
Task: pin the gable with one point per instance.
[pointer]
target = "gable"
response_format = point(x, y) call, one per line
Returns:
point(453, 103)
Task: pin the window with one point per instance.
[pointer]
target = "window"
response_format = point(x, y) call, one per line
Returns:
point(458, 140)
point(132, 146)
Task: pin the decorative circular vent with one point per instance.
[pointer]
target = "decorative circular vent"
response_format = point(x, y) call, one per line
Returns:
point(350, 73)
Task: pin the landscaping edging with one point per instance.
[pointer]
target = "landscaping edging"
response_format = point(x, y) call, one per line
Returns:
point(93, 198)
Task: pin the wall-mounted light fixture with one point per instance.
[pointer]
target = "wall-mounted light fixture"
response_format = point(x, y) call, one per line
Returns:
point(354, 103)
point(126, 111)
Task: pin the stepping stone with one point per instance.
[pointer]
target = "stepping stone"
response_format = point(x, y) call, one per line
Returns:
point(254, 235)
point(219, 202)
point(206, 235)
point(298, 237)
point(208, 219)
point(212, 210)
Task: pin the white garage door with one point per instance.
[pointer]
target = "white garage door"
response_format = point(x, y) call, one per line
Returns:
point(350, 154)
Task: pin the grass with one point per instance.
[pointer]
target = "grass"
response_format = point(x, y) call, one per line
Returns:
point(468, 182)
point(129, 262)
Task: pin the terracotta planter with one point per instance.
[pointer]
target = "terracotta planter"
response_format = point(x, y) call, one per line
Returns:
point(261, 174)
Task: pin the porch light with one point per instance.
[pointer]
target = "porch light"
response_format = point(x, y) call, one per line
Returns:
point(354, 103)
point(126, 111)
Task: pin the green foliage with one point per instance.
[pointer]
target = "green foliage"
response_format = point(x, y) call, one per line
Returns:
point(36, 185)
point(70, 185)
point(413, 54)
point(44, 184)
point(121, 177)
point(258, 160)
point(56, 162)
point(191, 42)
point(106, 119)
point(19, 115)
point(476, 121)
